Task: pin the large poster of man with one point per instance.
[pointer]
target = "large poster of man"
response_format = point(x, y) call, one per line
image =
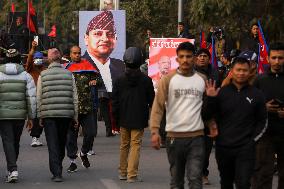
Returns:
point(102, 40)
point(113, 21)
point(162, 57)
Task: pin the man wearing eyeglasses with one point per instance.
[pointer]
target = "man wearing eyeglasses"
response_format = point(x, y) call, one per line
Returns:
point(100, 39)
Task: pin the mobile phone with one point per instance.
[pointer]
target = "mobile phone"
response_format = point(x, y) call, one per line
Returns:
point(36, 39)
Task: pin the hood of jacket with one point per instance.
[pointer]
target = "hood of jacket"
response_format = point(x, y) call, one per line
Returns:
point(11, 69)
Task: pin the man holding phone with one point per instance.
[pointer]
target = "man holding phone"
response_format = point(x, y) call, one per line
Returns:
point(271, 84)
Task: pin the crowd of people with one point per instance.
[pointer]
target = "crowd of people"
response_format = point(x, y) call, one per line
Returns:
point(192, 107)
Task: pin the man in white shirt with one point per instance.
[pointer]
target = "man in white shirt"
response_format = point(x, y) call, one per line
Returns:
point(100, 39)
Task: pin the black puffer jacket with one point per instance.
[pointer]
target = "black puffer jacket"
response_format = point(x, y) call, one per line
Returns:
point(132, 96)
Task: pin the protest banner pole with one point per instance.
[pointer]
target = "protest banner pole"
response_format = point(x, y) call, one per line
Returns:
point(180, 11)
point(117, 4)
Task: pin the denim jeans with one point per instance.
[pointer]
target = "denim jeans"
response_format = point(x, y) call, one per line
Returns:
point(186, 155)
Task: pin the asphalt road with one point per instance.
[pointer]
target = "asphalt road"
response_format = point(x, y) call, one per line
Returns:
point(103, 174)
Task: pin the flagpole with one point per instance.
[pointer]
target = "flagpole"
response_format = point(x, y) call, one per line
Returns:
point(28, 24)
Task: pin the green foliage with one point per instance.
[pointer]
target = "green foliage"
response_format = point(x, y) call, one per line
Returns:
point(161, 17)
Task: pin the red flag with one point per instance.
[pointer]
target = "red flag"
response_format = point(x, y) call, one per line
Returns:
point(53, 31)
point(263, 50)
point(13, 8)
point(203, 43)
point(212, 51)
point(31, 13)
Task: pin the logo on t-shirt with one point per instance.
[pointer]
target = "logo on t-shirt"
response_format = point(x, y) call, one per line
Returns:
point(188, 93)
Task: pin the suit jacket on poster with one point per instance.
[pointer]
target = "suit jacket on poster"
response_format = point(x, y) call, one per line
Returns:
point(117, 69)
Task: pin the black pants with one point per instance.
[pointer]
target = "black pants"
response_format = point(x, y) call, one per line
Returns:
point(236, 166)
point(162, 129)
point(105, 112)
point(266, 149)
point(55, 133)
point(11, 131)
point(208, 149)
point(186, 154)
point(36, 131)
point(89, 128)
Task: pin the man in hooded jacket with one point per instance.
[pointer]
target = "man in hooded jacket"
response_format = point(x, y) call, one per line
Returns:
point(133, 95)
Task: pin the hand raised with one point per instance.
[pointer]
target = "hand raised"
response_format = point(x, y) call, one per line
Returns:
point(211, 88)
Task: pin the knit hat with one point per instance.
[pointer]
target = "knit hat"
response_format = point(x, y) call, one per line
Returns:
point(103, 21)
point(12, 53)
point(53, 54)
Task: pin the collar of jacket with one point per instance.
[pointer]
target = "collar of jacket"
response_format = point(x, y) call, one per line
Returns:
point(233, 86)
point(205, 70)
point(54, 64)
point(270, 73)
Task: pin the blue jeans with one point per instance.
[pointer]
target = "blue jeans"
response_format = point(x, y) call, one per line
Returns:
point(186, 154)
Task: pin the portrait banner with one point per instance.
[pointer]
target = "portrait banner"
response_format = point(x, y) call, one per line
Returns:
point(162, 56)
point(91, 20)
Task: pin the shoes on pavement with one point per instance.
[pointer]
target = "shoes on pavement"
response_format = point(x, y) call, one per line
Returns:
point(121, 177)
point(91, 153)
point(205, 180)
point(85, 160)
point(57, 179)
point(72, 168)
point(134, 179)
point(36, 142)
point(12, 177)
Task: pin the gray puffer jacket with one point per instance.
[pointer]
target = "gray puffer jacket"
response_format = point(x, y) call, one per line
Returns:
point(17, 93)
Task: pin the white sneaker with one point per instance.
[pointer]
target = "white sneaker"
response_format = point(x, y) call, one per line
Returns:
point(91, 153)
point(36, 142)
point(12, 177)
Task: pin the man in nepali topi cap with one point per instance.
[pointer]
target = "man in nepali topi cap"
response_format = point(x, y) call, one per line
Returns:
point(100, 40)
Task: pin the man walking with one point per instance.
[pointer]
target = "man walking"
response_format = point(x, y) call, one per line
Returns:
point(85, 77)
point(133, 95)
point(204, 67)
point(17, 102)
point(240, 114)
point(180, 93)
point(57, 107)
point(271, 84)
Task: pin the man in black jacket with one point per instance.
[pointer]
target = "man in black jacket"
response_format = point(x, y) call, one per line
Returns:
point(240, 114)
point(133, 95)
point(271, 84)
point(204, 67)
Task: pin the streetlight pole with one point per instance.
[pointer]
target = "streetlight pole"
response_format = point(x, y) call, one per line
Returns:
point(117, 4)
point(180, 10)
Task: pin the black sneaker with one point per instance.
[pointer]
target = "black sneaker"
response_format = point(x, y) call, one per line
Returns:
point(72, 168)
point(85, 160)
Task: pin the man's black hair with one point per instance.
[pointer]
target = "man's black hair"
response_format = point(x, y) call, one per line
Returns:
point(181, 23)
point(186, 46)
point(278, 46)
point(240, 60)
point(206, 51)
